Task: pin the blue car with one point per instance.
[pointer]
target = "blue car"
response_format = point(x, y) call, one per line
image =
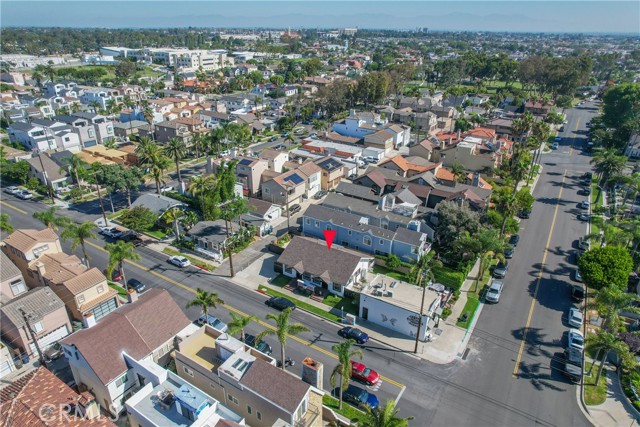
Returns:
point(359, 397)
point(354, 334)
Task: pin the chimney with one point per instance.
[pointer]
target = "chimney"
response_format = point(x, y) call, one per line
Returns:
point(458, 136)
point(132, 295)
point(41, 272)
point(443, 144)
point(87, 406)
point(88, 320)
point(312, 371)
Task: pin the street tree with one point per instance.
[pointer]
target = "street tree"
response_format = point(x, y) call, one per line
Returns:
point(609, 301)
point(605, 342)
point(138, 218)
point(283, 329)
point(384, 416)
point(52, 220)
point(5, 223)
point(176, 149)
point(79, 234)
point(119, 252)
point(205, 300)
point(606, 266)
point(345, 352)
point(239, 323)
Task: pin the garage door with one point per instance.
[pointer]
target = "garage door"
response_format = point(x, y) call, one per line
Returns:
point(104, 309)
point(50, 338)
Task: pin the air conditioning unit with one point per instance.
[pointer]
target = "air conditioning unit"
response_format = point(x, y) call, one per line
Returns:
point(377, 293)
point(389, 294)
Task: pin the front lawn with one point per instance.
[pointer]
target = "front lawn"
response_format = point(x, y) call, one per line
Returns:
point(280, 281)
point(449, 277)
point(594, 395)
point(353, 414)
point(469, 309)
point(195, 261)
point(378, 269)
point(301, 304)
point(349, 305)
point(157, 232)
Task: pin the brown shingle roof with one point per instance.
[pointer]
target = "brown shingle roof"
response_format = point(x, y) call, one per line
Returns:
point(25, 240)
point(309, 168)
point(137, 328)
point(271, 382)
point(22, 403)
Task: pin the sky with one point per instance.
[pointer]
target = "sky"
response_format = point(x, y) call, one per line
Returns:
point(570, 16)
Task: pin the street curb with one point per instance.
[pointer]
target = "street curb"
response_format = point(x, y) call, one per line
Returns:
point(627, 401)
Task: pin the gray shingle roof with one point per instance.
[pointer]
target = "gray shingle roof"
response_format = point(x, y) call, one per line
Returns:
point(37, 302)
point(23, 126)
point(312, 256)
point(361, 207)
point(357, 191)
point(8, 269)
point(156, 202)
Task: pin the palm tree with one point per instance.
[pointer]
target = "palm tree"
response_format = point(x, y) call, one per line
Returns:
point(604, 342)
point(458, 171)
point(505, 204)
point(384, 416)
point(76, 166)
point(607, 163)
point(152, 156)
point(289, 139)
point(205, 299)
point(173, 216)
point(5, 225)
point(50, 219)
point(79, 233)
point(217, 136)
point(610, 301)
point(424, 267)
point(343, 369)
point(283, 330)
point(95, 105)
point(189, 219)
point(118, 253)
point(200, 186)
point(176, 149)
point(239, 323)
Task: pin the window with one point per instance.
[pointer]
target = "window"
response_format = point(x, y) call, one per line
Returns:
point(366, 240)
point(349, 232)
point(249, 410)
point(328, 227)
point(381, 242)
point(317, 224)
point(337, 287)
point(37, 327)
point(100, 289)
point(266, 191)
point(187, 371)
point(123, 379)
point(80, 299)
point(18, 287)
point(258, 415)
point(233, 399)
point(307, 221)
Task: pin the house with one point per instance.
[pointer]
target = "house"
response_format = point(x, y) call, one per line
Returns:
point(472, 155)
point(424, 149)
point(12, 283)
point(537, 108)
point(248, 380)
point(166, 130)
point(337, 271)
point(165, 399)
point(212, 119)
point(33, 136)
point(354, 231)
point(82, 127)
point(503, 127)
point(47, 318)
point(383, 139)
point(85, 291)
point(210, 238)
point(102, 125)
point(632, 150)
point(275, 158)
point(125, 130)
point(10, 360)
point(157, 203)
point(313, 173)
point(332, 172)
point(285, 188)
point(40, 399)
point(63, 88)
point(264, 210)
point(408, 166)
point(24, 246)
point(249, 173)
point(140, 330)
point(357, 192)
point(52, 174)
point(397, 306)
point(328, 148)
point(99, 96)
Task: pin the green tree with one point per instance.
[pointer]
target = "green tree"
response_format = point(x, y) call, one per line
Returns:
point(239, 323)
point(609, 301)
point(51, 219)
point(606, 266)
point(205, 300)
point(176, 149)
point(201, 187)
point(384, 416)
point(345, 352)
point(505, 204)
point(5, 224)
point(172, 216)
point(119, 252)
point(151, 155)
point(283, 330)
point(189, 219)
point(524, 199)
point(604, 342)
point(607, 163)
point(138, 218)
point(79, 234)
point(16, 172)
point(453, 222)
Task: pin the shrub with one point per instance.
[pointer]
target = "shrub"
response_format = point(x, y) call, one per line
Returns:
point(183, 198)
point(393, 262)
point(187, 244)
point(446, 312)
point(138, 218)
point(449, 277)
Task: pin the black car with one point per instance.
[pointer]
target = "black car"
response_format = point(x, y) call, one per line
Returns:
point(358, 397)
point(577, 292)
point(513, 240)
point(524, 214)
point(262, 346)
point(136, 284)
point(354, 334)
point(508, 253)
point(132, 238)
point(273, 139)
point(280, 303)
point(501, 270)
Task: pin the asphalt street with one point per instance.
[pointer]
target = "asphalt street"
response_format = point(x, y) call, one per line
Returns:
point(523, 334)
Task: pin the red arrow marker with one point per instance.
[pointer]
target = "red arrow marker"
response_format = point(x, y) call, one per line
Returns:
point(329, 235)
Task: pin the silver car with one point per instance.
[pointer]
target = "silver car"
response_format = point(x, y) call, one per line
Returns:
point(495, 290)
point(575, 318)
point(179, 261)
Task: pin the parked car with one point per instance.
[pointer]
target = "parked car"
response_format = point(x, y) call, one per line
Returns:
point(577, 276)
point(577, 293)
point(136, 284)
point(358, 397)
point(584, 204)
point(116, 275)
point(361, 373)
point(495, 290)
point(112, 232)
point(319, 195)
point(53, 352)
point(262, 346)
point(584, 243)
point(165, 188)
point(576, 339)
point(354, 334)
point(575, 318)
point(179, 261)
point(583, 216)
point(280, 303)
point(213, 321)
point(24, 195)
point(586, 191)
point(513, 240)
point(131, 237)
point(557, 139)
point(573, 364)
point(508, 253)
point(11, 190)
point(524, 214)
point(273, 139)
point(370, 159)
point(500, 270)
point(555, 145)
point(294, 209)
point(280, 147)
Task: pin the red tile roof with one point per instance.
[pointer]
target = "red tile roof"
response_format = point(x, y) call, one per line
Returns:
point(445, 174)
point(483, 133)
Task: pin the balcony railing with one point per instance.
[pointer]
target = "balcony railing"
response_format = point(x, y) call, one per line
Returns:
point(309, 417)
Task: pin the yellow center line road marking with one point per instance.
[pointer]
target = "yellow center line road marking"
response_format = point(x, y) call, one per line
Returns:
point(13, 207)
point(571, 149)
point(539, 278)
point(262, 323)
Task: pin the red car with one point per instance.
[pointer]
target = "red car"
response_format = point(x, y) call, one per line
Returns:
point(361, 373)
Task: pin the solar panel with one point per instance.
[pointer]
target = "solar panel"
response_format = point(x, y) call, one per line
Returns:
point(295, 178)
point(245, 162)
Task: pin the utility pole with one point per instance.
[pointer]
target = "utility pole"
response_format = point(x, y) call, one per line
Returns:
point(46, 178)
point(229, 249)
point(424, 292)
point(104, 215)
point(33, 335)
point(288, 213)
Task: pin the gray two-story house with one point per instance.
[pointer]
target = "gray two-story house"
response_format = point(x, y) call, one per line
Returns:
point(354, 231)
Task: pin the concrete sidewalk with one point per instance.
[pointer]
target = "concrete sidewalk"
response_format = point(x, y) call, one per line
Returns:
point(615, 410)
